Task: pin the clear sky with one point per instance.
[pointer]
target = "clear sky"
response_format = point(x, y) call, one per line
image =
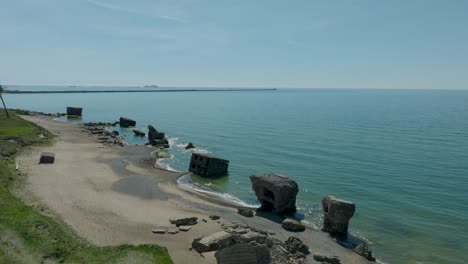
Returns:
point(236, 43)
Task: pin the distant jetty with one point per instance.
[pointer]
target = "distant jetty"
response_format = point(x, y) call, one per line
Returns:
point(138, 91)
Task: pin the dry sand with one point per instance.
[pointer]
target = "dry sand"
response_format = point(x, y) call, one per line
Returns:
point(112, 195)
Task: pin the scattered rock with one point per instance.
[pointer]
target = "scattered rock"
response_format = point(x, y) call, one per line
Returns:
point(204, 220)
point(337, 213)
point(294, 244)
point(276, 192)
point(184, 221)
point(184, 228)
point(172, 231)
point(293, 225)
point(245, 212)
point(159, 231)
point(190, 146)
point(244, 253)
point(363, 250)
point(325, 259)
point(127, 122)
point(214, 217)
point(139, 133)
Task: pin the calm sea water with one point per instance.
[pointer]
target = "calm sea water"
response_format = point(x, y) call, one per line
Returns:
point(400, 155)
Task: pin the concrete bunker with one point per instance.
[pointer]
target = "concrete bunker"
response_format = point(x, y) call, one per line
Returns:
point(275, 192)
point(208, 166)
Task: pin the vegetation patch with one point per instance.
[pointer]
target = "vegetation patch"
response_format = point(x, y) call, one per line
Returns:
point(27, 236)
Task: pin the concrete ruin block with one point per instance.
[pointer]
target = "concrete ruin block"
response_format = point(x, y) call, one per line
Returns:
point(275, 192)
point(74, 111)
point(214, 242)
point(47, 158)
point(207, 166)
point(244, 253)
point(337, 214)
point(127, 122)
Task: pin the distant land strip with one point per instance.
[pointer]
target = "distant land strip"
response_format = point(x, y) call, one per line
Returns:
point(139, 91)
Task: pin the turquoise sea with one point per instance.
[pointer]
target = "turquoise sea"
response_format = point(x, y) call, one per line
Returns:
point(400, 155)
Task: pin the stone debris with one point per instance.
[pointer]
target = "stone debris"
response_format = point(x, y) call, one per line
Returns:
point(184, 228)
point(172, 231)
point(184, 221)
point(251, 245)
point(159, 231)
point(293, 225)
point(214, 217)
point(327, 260)
point(275, 192)
point(139, 133)
point(103, 133)
point(363, 250)
point(337, 214)
point(245, 212)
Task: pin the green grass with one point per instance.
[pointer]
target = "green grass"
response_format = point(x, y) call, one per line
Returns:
point(27, 236)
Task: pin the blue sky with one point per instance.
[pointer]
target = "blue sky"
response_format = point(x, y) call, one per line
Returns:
point(317, 44)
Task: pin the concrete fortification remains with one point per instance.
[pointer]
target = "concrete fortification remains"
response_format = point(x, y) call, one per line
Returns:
point(207, 166)
point(275, 192)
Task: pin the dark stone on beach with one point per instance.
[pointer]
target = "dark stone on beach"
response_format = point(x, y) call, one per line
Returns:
point(275, 192)
point(325, 259)
point(115, 133)
point(47, 158)
point(127, 122)
point(244, 253)
point(139, 133)
point(363, 250)
point(245, 212)
point(293, 225)
point(74, 111)
point(214, 217)
point(190, 146)
point(294, 244)
point(208, 166)
point(184, 221)
point(159, 231)
point(337, 214)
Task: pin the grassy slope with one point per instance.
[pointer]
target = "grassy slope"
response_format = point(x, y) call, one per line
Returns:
point(27, 236)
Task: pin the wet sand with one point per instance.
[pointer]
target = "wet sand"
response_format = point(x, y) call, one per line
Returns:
point(115, 195)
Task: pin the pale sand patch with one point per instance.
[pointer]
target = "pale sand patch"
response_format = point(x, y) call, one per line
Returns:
point(81, 189)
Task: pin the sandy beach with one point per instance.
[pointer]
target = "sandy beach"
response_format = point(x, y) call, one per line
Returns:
point(113, 195)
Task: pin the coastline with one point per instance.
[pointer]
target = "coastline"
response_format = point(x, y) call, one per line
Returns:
point(112, 195)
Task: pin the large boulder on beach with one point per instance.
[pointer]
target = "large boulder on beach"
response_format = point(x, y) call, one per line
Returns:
point(127, 122)
point(276, 192)
point(294, 244)
point(244, 253)
point(337, 213)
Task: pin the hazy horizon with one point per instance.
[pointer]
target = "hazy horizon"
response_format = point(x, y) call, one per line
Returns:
point(249, 44)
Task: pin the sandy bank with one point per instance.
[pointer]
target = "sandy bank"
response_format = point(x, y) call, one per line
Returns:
point(112, 195)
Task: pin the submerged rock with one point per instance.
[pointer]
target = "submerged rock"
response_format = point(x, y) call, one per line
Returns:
point(293, 225)
point(190, 146)
point(139, 133)
point(276, 192)
point(363, 250)
point(337, 214)
point(127, 122)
